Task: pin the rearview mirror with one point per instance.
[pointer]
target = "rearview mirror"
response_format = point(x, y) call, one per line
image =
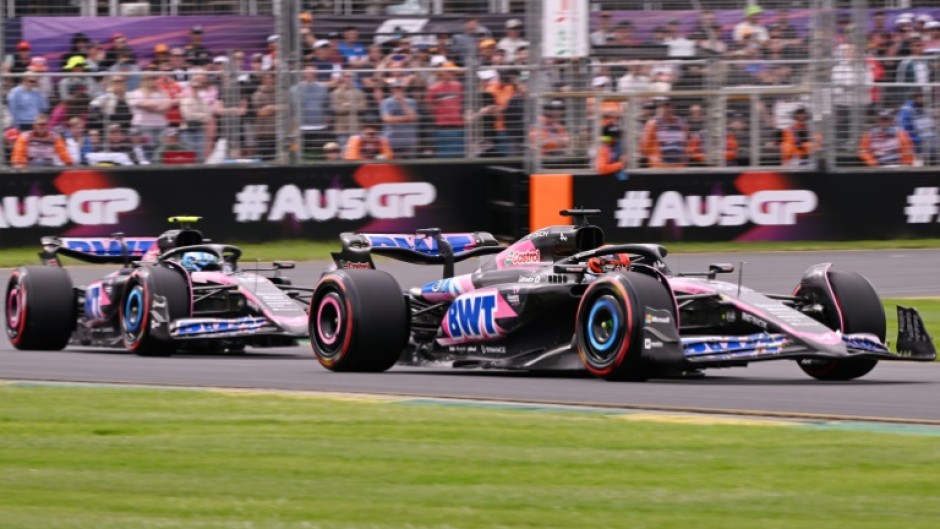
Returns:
point(719, 268)
point(283, 265)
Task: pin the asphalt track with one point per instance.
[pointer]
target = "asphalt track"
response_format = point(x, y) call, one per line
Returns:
point(903, 392)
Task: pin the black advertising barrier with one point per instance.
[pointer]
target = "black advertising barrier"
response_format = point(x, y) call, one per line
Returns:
point(252, 203)
point(764, 206)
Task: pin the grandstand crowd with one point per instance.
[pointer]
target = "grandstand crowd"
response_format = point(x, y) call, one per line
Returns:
point(406, 97)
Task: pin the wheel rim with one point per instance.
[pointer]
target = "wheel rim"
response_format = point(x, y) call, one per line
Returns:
point(16, 305)
point(330, 323)
point(134, 310)
point(603, 329)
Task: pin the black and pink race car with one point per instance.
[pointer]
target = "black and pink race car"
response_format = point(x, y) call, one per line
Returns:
point(174, 292)
point(560, 298)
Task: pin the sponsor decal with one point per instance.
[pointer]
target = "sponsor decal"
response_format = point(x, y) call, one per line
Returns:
point(459, 242)
point(649, 343)
point(108, 247)
point(663, 318)
point(523, 257)
point(216, 326)
point(923, 205)
point(513, 299)
point(530, 279)
point(747, 317)
point(88, 207)
point(472, 317)
point(343, 263)
point(766, 208)
point(381, 201)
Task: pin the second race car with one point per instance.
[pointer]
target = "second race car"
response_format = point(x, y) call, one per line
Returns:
point(174, 292)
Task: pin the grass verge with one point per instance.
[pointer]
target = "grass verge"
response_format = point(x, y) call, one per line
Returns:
point(108, 458)
point(298, 250)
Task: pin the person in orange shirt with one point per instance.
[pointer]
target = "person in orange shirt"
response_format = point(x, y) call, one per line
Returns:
point(665, 140)
point(550, 135)
point(502, 92)
point(610, 159)
point(798, 143)
point(40, 147)
point(368, 145)
point(886, 144)
point(698, 148)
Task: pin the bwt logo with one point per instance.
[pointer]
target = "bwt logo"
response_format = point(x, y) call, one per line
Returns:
point(109, 247)
point(472, 317)
point(767, 208)
point(90, 207)
point(381, 201)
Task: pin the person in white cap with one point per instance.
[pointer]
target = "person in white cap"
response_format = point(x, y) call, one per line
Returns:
point(513, 39)
point(270, 58)
point(932, 37)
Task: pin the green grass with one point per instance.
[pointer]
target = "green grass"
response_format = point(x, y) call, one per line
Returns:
point(929, 309)
point(298, 250)
point(111, 458)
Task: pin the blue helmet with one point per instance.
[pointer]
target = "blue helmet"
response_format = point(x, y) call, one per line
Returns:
point(196, 261)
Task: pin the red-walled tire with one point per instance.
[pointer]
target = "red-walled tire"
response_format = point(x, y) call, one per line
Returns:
point(40, 308)
point(852, 306)
point(359, 321)
point(609, 325)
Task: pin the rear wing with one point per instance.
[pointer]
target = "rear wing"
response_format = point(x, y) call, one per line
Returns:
point(97, 250)
point(430, 247)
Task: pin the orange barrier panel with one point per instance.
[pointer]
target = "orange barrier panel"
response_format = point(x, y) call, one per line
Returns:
point(549, 194)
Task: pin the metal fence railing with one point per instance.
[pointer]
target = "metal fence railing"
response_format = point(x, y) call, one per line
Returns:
point(834, 84)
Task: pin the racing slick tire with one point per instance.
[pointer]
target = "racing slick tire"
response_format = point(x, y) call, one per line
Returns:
point(609, 325)
point(136, 310)
point(40, 308)
point(852, 306)
point(359, 321)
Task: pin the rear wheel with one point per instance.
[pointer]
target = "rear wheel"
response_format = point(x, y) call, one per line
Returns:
point(136, 313)
point(358, 321)
point(851, 306)
point(40, 308)
point(609, 325)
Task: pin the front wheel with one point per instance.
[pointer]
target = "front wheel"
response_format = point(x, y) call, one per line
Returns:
point(359, 321)
point(136, 317)
point(40, 308)
point(851, 305)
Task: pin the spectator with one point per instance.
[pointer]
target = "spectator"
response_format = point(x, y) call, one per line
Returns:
point(466, 43)
point(700, 147)
point(269, 60)
point(751, 25)
point(96, 57)
point(19, 61)
point(230, 107)
point(665, 139)
point(196, 52)
point(635, 79)
point(80, 47)
point(712, 41)
point(76, 67)
point(610, 159)
point(354, 52)
point(170, 144)
point(76, 105)
point(119, 47)
point(149, 105)
point(118, 149)
point(331, 152)
point(550, 136)
point(111, 106)
point(40, 147)
point(738, 128)
point(914, 71)
point(514, 115)
point(26, 103)
point(399, 113)
point(347, 103)
point(178, 65)
point(847, 89)
point(161, 54)
point(513, 39)
point(368, 145)
point(77, 142)
point(798, 145)
point(173, 90)
point(267, 108)
point(679, 46)
point(706, 29)
point(197, 112)
point(44, 84)
point(918, 122)
point(696, 118)
point(603, 34)
point(623, 35)
point(129, 69)
point(313, 98)
point(788, 30)
point(445, 99)
point(886, 144)
point(502, 93)
point(306, 21)
point(522, 56)
point(323, 65)
point(932, 37)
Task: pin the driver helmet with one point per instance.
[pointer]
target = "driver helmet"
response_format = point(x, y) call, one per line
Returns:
point(608, 263)
point(197, 261)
